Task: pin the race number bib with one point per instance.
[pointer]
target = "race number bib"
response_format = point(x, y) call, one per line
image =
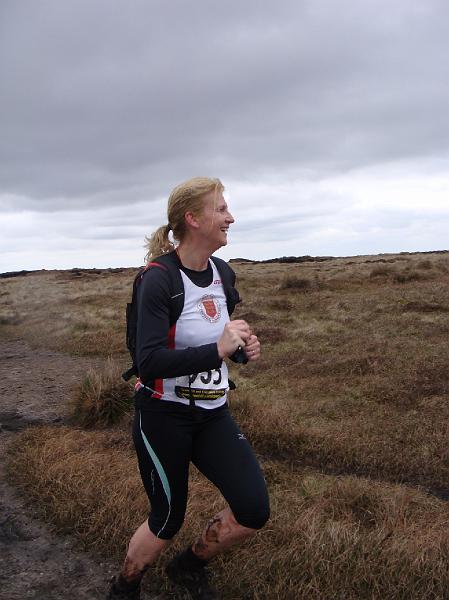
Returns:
point(208, 385)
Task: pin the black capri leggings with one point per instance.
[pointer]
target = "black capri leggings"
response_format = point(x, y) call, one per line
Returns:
point(168, 435)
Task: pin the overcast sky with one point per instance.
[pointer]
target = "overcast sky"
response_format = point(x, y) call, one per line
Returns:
point(328, 123)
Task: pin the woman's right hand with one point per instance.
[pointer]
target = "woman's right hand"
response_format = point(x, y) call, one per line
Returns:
point(235, 334)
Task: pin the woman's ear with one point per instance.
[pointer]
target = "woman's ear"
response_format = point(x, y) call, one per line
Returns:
point(191, 220)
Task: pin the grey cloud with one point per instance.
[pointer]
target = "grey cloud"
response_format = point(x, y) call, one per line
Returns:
point(106, 106)
point(102, 98)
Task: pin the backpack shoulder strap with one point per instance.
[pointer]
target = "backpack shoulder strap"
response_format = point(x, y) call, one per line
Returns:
point(228, 280)
point(167, 263)
point(170, 262)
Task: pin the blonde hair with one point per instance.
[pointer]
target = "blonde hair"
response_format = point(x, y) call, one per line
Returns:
point(185, 197)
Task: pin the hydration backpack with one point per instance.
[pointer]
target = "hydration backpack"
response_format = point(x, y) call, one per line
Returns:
point(170, 262)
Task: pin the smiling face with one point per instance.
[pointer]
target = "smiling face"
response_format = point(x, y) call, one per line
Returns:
point(214, 220)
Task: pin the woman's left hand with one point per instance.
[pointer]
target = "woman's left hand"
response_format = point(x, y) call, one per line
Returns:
point(252, 348)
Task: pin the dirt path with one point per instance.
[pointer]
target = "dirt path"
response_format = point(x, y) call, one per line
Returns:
point(35, 563)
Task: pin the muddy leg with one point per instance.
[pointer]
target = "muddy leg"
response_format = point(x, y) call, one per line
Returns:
point(221, 532)
point(144, 548)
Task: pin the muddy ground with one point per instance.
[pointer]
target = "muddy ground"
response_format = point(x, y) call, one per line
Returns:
point(35, 563)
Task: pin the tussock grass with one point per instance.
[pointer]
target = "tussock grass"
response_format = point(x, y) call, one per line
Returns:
point(295, 283)
point(381, 271)
point(353, 382)
point(282, 305)
point(270, 335)
point(329, 537)
point(425, 307)
point(251, 316)
point(102, 398)
point(424, 264)
point(408, 276)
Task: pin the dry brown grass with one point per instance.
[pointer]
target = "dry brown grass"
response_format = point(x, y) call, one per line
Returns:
point(353, 382)
point(71, 311)
point(102, 398)
point(298, 284)
point(329, 537)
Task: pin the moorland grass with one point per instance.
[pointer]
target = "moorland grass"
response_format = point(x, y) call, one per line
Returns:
point(102, 398)
point(329, 537)
point(349, 400)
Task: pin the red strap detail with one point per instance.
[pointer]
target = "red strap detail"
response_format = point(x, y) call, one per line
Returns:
point(152, 264)
point(171, 337)
point(159, 383)
point(158, 388)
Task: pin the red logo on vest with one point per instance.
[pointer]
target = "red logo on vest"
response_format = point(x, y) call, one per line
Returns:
point(209, 308)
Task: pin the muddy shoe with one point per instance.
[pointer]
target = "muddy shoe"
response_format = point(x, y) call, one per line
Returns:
point(118, 591)
point(195, 580)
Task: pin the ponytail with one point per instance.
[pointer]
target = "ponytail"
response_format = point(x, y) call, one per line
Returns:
point(158, 243)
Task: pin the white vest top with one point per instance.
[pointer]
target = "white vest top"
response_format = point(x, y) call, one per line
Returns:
point(202, 321)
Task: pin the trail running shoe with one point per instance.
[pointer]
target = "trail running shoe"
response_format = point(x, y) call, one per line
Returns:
point(116, 593)
point(194, 580)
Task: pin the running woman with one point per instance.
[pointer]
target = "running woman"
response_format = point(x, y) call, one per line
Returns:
point(181, 405)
